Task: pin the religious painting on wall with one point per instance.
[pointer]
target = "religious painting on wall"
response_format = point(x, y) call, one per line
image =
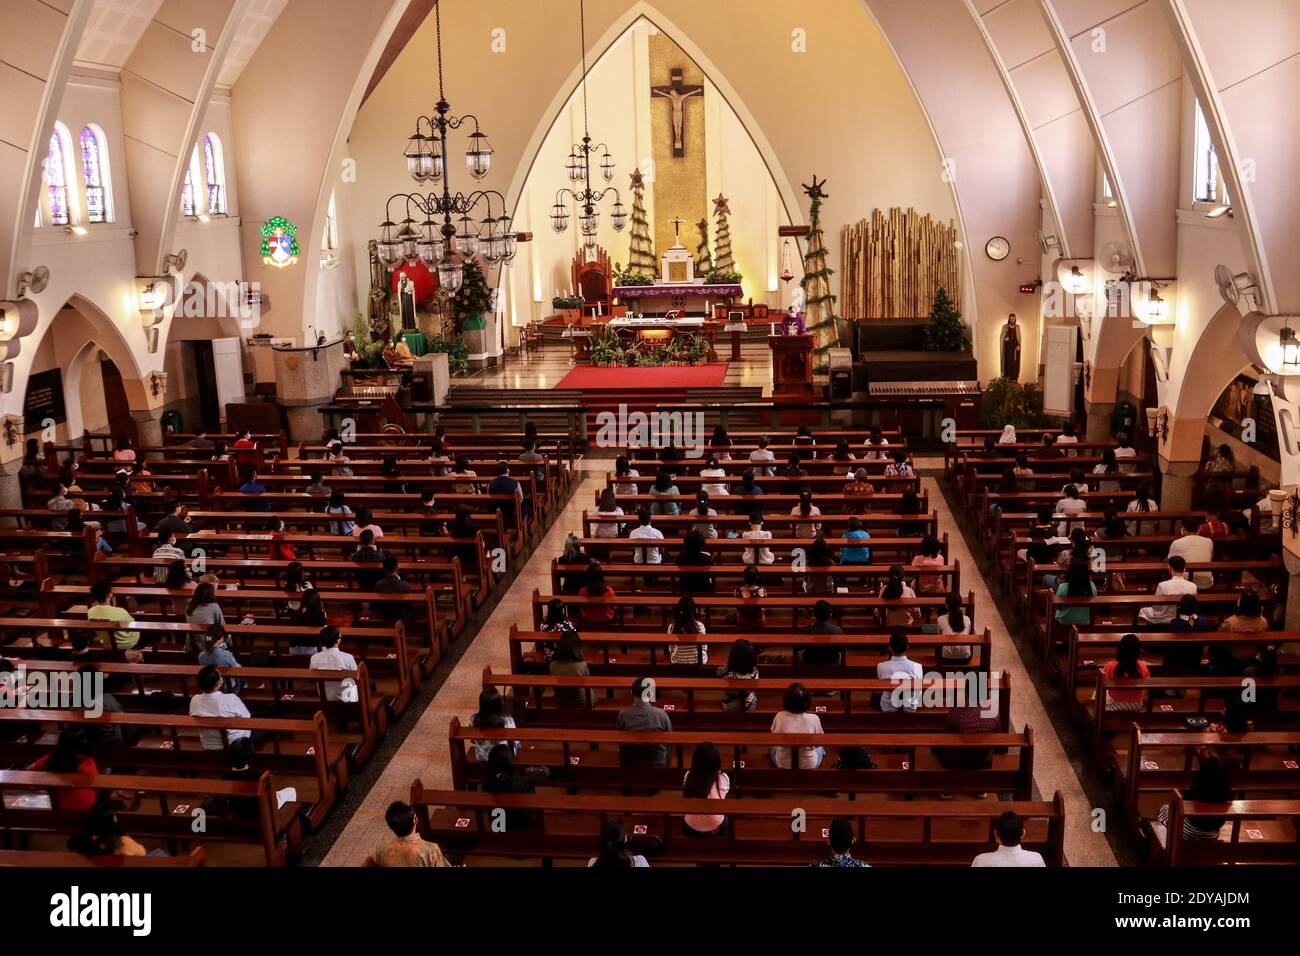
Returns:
point(1239, 405)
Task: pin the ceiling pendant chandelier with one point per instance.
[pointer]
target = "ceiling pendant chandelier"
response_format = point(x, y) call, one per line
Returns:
point(578, 168)
point(446, 236)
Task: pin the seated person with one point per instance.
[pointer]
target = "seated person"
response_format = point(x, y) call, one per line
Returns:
point(1010, 830)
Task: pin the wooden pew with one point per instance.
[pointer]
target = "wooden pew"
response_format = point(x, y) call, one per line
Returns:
point(845, 608)
point(641, 653)
point(1243, 817)
point(845, 703)
point(300, 749)
point(295, 692)
point(427, 627)
point(907, 764)
point(771, 575)
point(383, 651)
point(1264, 764)
point(1201, 696)
point(165, 814)
point(725, 550)
point(910, 833)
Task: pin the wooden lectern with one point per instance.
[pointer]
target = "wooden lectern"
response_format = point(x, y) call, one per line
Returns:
point(792, 368)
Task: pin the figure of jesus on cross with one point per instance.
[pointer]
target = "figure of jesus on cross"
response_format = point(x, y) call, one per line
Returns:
point(677, 93)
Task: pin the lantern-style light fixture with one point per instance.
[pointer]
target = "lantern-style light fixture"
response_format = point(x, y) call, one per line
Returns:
point(436, 241)
point(1290, 348)
point(1076, 283)
point(578, 168)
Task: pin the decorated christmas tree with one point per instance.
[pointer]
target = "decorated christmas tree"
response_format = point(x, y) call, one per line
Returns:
point(641, 255)
point(946, 332)
point(723, 261)
point(472, 299)
point(703, 258)
point(819, 304)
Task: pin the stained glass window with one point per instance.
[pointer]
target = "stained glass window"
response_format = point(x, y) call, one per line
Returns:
point(56, 178)
point(95, 173)
point(215, 172)
point(187, 195)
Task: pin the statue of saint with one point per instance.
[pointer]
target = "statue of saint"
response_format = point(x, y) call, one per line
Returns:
point(406, 302)
point(1011, 348)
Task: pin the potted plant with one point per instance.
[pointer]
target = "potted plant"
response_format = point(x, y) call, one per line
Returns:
point(629, 277)
point(569, 308)
point(606, 349)
point(457, 350)
point(370, 352)
point(723, 277)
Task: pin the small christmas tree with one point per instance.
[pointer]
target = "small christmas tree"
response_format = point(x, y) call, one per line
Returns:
point(946, 332)
point(472, 299)
point(723, 261)
point(819, 304)
point(703, 258)
point(641, 255)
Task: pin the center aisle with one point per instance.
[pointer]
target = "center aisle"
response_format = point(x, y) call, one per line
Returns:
point(424, 752)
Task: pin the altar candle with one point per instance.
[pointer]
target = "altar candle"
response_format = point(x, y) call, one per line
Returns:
point(707, 313)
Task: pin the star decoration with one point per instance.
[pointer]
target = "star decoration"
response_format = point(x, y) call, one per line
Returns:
point(720, 205)
point(816, 190)
point(637, 179)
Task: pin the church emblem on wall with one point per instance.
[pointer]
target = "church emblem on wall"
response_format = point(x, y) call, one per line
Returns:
point(279, 242)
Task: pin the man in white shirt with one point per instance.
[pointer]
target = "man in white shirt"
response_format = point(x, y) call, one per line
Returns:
point(905, 673)
point(645, 530)
point(210, 701)
point(165, 554)
point(1194, 548)
point(1177, 584)
point(1010, 830)
point(761, 455)
point(330, 658)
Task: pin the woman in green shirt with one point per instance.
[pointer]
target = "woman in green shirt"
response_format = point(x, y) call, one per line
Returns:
point(664, 488)
point(1078, 583)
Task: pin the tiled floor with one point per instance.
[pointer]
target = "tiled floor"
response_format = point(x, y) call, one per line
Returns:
point(424, 753)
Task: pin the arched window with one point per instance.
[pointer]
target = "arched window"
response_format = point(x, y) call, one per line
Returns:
point(60, 201)
point(94, 170)
point(214, 168)
point(330, 241)
point(189, 198)
point(1206, 181)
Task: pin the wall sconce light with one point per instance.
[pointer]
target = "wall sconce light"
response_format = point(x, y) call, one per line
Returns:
point(157, 383)
point(13, 430)
point(1290, 349)
point(1076, 283)
point(1157, 307)
point(152, 293)
point(1158, 423)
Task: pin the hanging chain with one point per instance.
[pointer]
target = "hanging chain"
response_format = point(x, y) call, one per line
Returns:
point(437, 22)
point(582, 31)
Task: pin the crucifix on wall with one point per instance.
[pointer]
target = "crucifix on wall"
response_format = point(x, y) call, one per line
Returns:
point(677, 93)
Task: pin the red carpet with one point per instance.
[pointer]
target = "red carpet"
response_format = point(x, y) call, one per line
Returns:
point(593, 378)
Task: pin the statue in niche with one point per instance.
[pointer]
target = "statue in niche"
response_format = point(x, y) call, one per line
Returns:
point(1011, 348)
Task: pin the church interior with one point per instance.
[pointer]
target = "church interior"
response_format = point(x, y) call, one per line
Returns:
point(941, 354)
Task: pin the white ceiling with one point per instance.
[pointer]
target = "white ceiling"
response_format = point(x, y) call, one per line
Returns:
point(116, 26)
point(113, 30)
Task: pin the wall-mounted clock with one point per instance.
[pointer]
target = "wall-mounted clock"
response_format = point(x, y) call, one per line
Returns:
point(997, 248)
